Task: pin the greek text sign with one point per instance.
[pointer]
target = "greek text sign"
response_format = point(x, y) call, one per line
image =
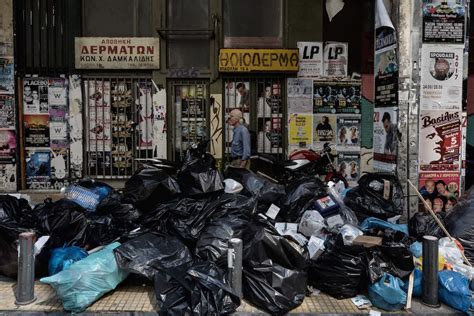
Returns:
point(117, 53)
point(247, 60)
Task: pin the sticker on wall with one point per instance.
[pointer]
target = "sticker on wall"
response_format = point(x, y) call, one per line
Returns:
point(300, 129)
point(441, 77)
point(7, 111)
point(440, 189)
point(348, 164)
point(336, 97)
point(311, 59)
point(59, 168)
point(75, 127)
point(385, 138)
point(160, 144)
point(36, 130)
point(440, 140)
point(335, 59)
point(7, 76)
point(444, 21)
point(8, 177)
point(300, 95)
point(348, 133)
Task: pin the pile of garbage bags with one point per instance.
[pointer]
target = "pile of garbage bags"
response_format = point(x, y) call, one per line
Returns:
point(174, 230)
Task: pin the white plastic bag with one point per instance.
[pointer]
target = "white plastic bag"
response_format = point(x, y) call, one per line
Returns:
point(349, 233)
point(311, 224)
point(449, 251)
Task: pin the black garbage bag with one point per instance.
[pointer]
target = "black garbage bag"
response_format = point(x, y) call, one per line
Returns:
point(16, 210)
point(368, 198)
point(422, 224)
point(149, 187)
point(9, 232)
point(140, 254)
point(274, 277)
point(213, 243)
point(199, 175)
point(113, 205)
point(298, 195)
point(340, 271)
point(64, 221)
point(460, 223)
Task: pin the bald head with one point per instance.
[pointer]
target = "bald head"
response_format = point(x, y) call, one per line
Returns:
point(234, 117)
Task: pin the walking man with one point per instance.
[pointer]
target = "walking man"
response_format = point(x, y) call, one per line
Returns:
point(240, 150)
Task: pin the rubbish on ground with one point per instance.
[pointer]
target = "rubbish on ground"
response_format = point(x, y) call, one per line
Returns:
point(423, 224)
point(367, 241)
point(465, 270)
point(454, 290)
point(349, 233)
point(387, 293)
point(326, 206)
point(315, 247)
point(361, 302)
point(62, 258)
point(77, 286)
point(450, 251)
point(334, 221)
point(311, 224)
point(373, 222)
point(232, 186)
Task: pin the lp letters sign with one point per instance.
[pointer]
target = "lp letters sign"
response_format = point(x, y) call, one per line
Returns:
point(117, 53)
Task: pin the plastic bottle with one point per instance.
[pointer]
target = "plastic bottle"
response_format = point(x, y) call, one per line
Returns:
point(82, 196)
point(465, 270)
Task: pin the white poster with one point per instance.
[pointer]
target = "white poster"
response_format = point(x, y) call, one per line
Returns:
point(348, 132)
point(385, 138)
point(311, 59)
point(300, 95)
point(441, 77)
point(335, 59)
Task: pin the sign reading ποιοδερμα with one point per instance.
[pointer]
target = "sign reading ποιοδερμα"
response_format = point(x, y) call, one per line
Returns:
point(247, 60)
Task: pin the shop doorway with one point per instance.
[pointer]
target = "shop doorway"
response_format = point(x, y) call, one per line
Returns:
point(189, 114)
point(118, 124)
point(261, 99)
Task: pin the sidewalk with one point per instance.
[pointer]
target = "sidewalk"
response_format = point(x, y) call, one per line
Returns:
point(137, 299)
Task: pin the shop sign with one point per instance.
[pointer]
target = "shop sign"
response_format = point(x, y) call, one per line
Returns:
point(117, 53)
point(247, 60)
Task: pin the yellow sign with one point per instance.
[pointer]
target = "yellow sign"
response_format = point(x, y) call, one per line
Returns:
point(246, 60)
point(301, 129)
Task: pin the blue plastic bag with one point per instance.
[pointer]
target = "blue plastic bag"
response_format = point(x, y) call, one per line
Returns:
point(417, 283)
point(373, 222)
point(387, 293)
point(61, 258)
point(454, 290)
point(85, 281)
point(416, 249)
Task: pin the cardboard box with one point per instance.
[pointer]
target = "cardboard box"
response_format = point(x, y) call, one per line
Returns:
point(367, 241)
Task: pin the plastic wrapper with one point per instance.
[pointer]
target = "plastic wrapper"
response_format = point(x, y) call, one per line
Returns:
point(416, 249)
point(298, 195)
point(213, 242)
point(378, 195)
point(388, 294)
point(149, 187)
point(311, 224)
point(340, 271)
point(85, 281)
point(348, 216)
point(140, 254)
point(373, 222)
point(450, 251)
point(349, 233)
point(62, 258)
point(454, 290)
point(460, 224)
point(273, 277)
point(423, 224)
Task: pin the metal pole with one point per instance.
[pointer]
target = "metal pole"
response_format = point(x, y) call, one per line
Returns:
point(25, 291)
point(430, 271)
point(234, 262)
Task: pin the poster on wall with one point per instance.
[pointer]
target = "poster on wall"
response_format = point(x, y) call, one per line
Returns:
point(348, 164)
point(269, 138)
point(7, 111)
point(100, 136)
point(444, 21)
point(57, 92)
point(311, 59)
point(300, 95)
point(6, 28)
point(7, 76)
point(441, 77)
point(35, 96)
point(7, 146)
point(440, 189)
point(300, 129)
point(237, 94)
point(385, 138)
point(59, 164)
point(159, 125)
point(336, 97)
point(335, 59)
point(38, 167)
point(36, 130)
point(348, 133)
point(75, 127)
point(440, 139)
point(269, 102)
point(145, 112)
point(8, 177)
point(325, 129)
point(386, 66)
